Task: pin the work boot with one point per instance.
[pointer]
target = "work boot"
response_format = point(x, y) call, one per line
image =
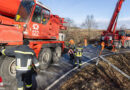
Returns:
point(74, 65)
point(79, 66)
point(28, 88)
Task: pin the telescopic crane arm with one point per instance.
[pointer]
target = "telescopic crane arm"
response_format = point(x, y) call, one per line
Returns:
point(113, 22)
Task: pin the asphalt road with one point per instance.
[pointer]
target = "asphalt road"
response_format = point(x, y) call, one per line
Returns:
point(55, 71)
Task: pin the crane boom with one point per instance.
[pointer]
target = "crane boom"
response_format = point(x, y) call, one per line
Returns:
point(112, 37)
point(113, 22)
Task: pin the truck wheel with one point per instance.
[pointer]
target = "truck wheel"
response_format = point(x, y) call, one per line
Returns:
point(129, 43)
point(13, 84)
point(126, 44)
point(45, 58)
point(57, 54)
point(7, 69)
point(1, 60)
point(119, 45)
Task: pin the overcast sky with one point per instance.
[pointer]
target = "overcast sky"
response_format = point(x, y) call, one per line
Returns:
point(79, 9)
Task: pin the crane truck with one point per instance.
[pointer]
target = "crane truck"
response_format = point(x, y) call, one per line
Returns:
point(112, 37)
point(31, 20)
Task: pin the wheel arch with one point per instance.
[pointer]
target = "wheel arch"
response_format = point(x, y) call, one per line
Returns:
point(51, 45)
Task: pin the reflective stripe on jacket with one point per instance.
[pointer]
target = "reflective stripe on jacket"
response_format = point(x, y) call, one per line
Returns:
point(27, 67)
point(24, 55)
point(79, 52)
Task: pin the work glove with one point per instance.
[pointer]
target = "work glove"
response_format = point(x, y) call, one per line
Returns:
point(37, 69)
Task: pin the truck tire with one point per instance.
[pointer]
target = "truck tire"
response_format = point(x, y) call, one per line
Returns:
point(45, 57)
point(1, 60)
point(57, 54)
point(129, 43)
point(12, 85)
point(126, 44)
point(119, 45)
point(7, 69)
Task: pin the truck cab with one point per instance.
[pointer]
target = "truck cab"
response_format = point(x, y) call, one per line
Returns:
point(38, 21)
point(31, 20)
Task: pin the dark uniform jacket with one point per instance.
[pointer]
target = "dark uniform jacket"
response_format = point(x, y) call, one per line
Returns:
point(24, 55)
point(78, 52)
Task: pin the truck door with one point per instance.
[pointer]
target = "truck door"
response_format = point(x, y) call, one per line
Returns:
point(46, 25)
point(37, 27)
point(35, 23)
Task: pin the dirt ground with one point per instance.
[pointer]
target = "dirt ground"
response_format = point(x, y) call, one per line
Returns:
point(101, 77)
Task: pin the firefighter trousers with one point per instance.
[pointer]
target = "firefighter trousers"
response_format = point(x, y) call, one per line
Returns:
point(78, 61)
point(71, 57)
point(24, 78)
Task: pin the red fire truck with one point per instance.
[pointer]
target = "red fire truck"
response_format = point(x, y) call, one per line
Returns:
point(113, 37)
point(29, 19)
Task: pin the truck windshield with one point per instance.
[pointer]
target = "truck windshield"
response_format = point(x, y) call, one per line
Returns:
point(24, 10)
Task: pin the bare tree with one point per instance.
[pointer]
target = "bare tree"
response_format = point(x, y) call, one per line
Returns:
point(89, 24)
point(70, 23)
point(123, 27)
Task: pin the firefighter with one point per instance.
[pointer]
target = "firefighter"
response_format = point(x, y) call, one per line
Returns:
point(102, 47)
point(85, 42)
point(72, 43)
point(78, 55)
point(25, 57)
point(71, 54)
